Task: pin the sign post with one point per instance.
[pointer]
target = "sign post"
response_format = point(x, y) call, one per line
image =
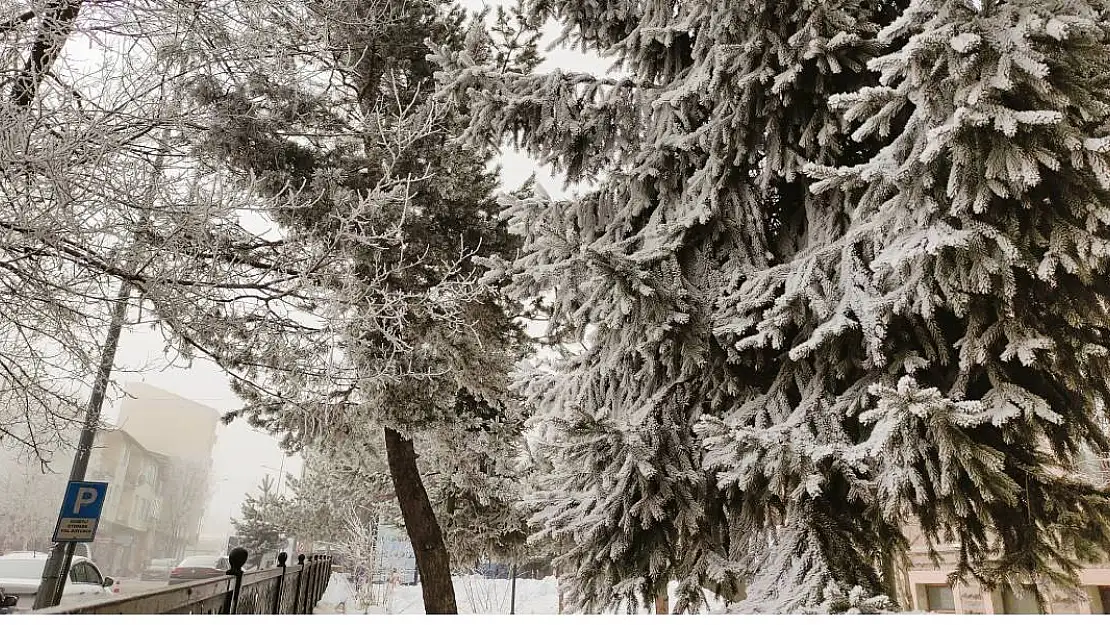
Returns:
point(80, 512)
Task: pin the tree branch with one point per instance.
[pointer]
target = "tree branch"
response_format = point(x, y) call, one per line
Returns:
point(14, 22)
point(56, 26)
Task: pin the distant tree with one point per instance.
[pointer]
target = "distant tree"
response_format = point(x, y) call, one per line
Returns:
point(474, 485)
point(259, 527)
point(27, 517)
point(185, 489)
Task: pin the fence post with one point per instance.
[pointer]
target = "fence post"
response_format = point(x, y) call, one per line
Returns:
point(310, 605)
point(512, 592)
point(282, 557)
point(306, 587)
point(300, 583)
point(310, 588)
point(237, 558)
point(321, 579)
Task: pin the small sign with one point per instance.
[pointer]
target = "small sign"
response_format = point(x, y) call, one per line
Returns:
point(80, 512)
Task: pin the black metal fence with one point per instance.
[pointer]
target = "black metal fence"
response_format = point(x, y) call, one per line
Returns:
point(281, 590)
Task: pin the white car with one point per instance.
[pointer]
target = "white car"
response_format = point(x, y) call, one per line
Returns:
point(21, 574)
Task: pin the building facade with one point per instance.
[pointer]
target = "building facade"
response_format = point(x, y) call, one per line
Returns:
point(925, 584)
point(158, 463)
point(128, 521)
point(169, 424)
point(184, 432)
point(926, 588)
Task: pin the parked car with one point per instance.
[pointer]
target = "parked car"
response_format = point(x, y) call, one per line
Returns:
point(21, 575)
point(199, 567)
point(158, 570)
point(79, 549)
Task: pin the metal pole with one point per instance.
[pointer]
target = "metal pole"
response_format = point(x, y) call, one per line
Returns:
point(512, 590)
point(297, 604)
point(57, 566)
point(281, 476)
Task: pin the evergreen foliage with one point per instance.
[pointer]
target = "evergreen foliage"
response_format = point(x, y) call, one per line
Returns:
point(843, 270)
point(258, 526)
point(475, 488)
point(428, 350)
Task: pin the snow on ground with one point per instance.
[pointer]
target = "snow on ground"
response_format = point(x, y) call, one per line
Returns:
point(474, 594)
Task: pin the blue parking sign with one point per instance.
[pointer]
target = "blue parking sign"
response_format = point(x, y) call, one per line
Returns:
point(80, 512)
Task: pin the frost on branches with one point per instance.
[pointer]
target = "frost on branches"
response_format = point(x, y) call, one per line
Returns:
point(107, 217)
point(473, 482)
point(258, 526)
point(423, 352)
point(844, 270)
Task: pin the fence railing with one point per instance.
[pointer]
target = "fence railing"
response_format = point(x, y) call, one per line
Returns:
point(281, 590)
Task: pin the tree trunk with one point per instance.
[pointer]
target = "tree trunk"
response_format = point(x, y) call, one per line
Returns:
point(420, 521)
point(57, 23)
point(662, 603)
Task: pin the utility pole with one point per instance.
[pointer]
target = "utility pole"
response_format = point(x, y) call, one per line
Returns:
point(61, 556)
point(56, 571)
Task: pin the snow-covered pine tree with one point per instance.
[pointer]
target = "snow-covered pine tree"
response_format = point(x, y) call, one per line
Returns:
point(339, 480)
point(259, 525)
point(854, 355)
point(473, 483)
point(477, 489)
point(981, 235)
point(700, 147)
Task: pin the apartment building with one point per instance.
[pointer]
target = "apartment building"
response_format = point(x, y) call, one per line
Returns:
point(169, 424)
point(925, 585)
point(126, 533)
point(158, 463)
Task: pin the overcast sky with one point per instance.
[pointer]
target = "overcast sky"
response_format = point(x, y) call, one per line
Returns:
point(243, 456)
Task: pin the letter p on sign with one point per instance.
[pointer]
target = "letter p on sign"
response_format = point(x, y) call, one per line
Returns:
point(80, 513)
point(85, 496)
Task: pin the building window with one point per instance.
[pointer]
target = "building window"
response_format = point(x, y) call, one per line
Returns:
point(1023, 603)
point(1104, 595)
point(939, 598)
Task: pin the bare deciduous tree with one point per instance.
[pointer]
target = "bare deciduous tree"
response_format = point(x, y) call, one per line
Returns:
point(186, 488)
point(108, 217)
point(27, 518)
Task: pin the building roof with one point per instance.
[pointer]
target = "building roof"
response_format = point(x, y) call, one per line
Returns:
point(132, 441)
